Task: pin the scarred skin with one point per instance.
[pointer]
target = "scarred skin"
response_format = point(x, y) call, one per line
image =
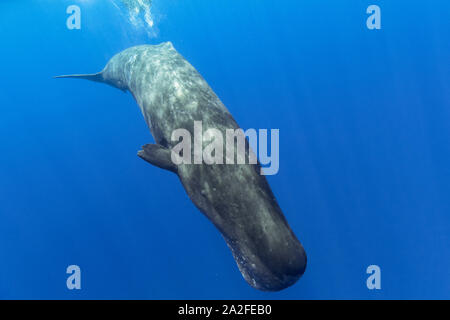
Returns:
point(236, 198)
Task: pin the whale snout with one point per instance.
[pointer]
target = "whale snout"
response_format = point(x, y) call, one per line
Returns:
point(294, 266)
point(272, 267)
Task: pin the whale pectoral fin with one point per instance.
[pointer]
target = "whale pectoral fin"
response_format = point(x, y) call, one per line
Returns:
point(159, 156)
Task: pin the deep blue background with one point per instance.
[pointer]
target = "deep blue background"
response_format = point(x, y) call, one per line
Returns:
point(364, 119)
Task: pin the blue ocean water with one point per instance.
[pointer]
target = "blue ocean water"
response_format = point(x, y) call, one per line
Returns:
point(364, 148)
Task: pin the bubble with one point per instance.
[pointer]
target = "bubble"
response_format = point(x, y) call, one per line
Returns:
point(139, 14)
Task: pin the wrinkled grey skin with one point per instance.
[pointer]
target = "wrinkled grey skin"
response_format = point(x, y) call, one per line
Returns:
point(235, 198)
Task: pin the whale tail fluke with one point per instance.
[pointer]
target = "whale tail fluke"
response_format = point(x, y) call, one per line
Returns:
point(97, 77)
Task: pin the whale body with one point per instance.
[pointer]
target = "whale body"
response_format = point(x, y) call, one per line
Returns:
point(236, 198)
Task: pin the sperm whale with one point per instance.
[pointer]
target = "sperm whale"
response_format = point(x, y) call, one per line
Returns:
point(236, 198)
